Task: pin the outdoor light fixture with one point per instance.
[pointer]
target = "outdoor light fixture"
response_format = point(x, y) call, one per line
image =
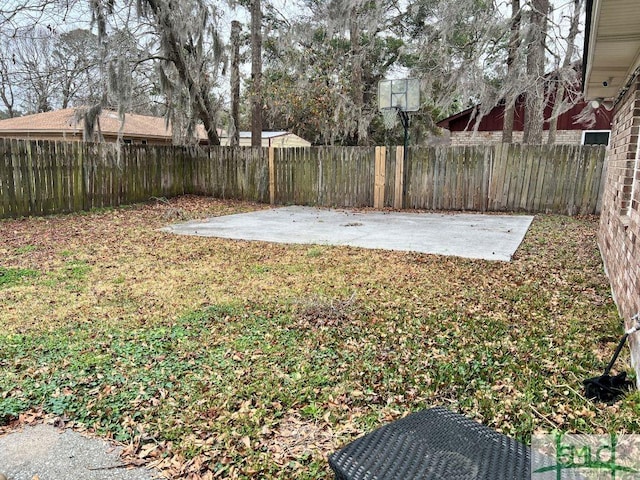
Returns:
point(602, 102)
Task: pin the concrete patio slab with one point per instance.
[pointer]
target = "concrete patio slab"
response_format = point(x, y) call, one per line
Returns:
point(488, 237)
point(47, 453)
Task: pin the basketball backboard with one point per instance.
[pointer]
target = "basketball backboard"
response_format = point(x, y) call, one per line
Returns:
point(403, 94)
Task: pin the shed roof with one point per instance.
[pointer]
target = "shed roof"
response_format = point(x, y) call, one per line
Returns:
point(265, 135)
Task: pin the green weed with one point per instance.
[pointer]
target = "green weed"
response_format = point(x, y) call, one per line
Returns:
point(314, 252)
point(14, 276)
point(71, 276)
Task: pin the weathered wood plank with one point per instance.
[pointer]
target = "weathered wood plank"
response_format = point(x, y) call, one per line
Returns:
point(6, 180)
point(399, 186)
point(272, 176)
point(48, 177)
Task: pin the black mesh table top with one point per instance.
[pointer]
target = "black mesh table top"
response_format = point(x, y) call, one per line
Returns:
point(434, 444)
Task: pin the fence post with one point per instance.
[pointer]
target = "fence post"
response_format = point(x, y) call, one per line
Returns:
point(399, 187)
point(272, 175)
point(379, 177)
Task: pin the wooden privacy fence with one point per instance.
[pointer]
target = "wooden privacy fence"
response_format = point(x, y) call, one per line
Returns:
point(567, 179)
point(42, 177)
point(323, 176)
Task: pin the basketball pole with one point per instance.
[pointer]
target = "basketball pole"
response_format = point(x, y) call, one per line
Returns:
point(404, 119)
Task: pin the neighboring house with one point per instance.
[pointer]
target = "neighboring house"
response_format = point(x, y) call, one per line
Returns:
point(462, 126)
point(270, 139)
point(612, 76)
point(68, 125)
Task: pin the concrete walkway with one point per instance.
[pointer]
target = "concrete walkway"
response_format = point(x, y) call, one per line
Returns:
point(488, 237)
point(43, 452)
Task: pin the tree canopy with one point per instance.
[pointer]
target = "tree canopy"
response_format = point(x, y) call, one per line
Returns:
point(321, 61)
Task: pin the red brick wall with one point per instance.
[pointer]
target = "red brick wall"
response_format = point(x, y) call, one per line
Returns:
point(620, 218)
point(569, 137)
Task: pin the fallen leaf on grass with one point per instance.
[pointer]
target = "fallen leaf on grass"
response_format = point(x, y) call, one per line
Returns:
point(296, 438)
point(133, 339)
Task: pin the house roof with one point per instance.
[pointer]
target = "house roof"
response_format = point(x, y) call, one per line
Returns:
point(67, 122)
point(494, 119)
point(272, 138)
point(444, 123)
point(612, 46)
point(265, 135)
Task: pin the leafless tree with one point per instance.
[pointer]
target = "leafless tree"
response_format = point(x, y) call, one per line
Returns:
point(7, 71)
point(34, 56)
point(18, 18)
point(567, 90)
point(75, 64)
point(43, 70)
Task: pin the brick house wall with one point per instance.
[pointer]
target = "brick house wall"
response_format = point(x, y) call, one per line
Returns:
point(620, 219)
point(573, 137)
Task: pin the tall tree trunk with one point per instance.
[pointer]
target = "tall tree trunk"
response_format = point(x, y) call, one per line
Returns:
point(198, 90)
point(559, 101)
point(535, 100)
point(510, 100)
point(357, 91)
point(553, 121)
point(256, 73)
point(234, 133)
point(6, 93)
point(66, 94)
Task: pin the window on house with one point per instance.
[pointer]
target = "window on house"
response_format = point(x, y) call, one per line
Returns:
point(596, 137)
point(127, 141)
point(143, 142)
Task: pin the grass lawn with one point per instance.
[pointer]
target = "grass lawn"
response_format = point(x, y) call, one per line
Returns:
point(211, 357)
